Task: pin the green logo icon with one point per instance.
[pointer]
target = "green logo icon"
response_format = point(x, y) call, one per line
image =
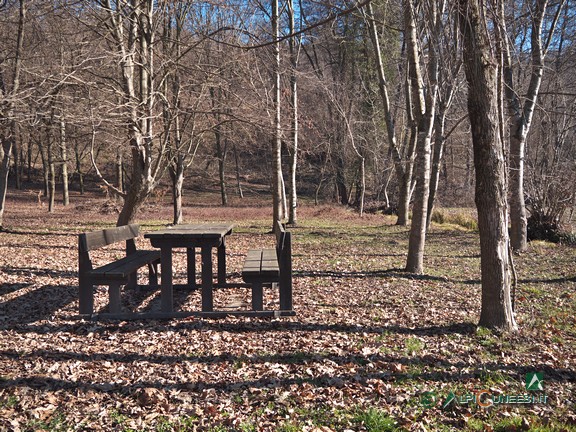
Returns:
point(428, 399)
point(534, 381)
point(449, 399)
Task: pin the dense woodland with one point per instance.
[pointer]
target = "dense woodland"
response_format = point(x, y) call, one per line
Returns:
point(390, 105)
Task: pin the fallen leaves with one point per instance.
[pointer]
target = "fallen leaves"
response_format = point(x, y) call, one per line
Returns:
point(368, 339)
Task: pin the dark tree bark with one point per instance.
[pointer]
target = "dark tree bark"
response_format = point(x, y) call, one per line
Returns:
point(481, 69)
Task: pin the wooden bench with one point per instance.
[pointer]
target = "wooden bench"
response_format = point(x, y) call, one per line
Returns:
point(271, 266)
point(115, 274)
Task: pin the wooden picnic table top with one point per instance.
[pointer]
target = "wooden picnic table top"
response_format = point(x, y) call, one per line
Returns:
point(192, 231)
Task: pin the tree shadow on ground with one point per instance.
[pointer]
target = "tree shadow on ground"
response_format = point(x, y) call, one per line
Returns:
point(394, 272)
point(365, 369)
point(36, 271)
point(36, 305)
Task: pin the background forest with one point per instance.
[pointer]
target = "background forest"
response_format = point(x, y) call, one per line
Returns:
point(147, 96)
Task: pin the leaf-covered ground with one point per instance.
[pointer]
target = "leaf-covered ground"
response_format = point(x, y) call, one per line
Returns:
point(371, 347)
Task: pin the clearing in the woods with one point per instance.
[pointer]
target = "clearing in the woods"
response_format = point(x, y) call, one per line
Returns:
point(371, 347)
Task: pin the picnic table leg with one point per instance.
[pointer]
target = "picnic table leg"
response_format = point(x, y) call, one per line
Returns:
point(191, 266)
point(115, 301)
point(207, 296)
point(166, 295)
point(222, 262)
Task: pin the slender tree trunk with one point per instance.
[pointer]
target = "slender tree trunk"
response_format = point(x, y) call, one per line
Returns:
point(79, 168)
point(29, 158)
point(17, 159)
point(237, 163)
point(341, 187)
point(521, 119)
point(119, 170)
point(362, 186)
point(437, 156)
point(293, 45)
point(481, 69)
point(221, 152)
point(177, 176)
point(64, 157)
point(403, 171)
point(518, 216)
point(5, 153)
point(277, 140)
point(51, 173)
point(423, 106)
point(8, 142)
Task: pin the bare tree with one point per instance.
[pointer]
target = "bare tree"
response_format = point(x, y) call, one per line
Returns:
point(402, 156)
point(132, 30)
point(9, 95)
point(294, 47)
point(277, 179)
point(521, 113)
point(481, 67)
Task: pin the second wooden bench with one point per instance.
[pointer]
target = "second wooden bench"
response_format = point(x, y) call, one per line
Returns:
point(271, 266)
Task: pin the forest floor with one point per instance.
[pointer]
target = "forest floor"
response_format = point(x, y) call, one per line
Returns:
point(371, 347)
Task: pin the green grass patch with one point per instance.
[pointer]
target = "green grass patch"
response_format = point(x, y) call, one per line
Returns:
point(376, 420)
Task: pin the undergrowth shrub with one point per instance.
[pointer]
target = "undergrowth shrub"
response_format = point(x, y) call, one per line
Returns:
point(459, 219)
point(540, 228)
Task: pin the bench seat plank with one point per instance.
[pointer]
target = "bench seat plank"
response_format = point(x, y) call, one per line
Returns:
point(122, 268)
point(261, 264)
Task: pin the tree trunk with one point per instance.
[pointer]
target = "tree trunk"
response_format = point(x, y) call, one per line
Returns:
point(237, 163)
point(423, 106)
point(521, 120)
point(177, 176)
point(138, 189)
point(277, 140)
point(119, 170)
point(8, 143)
point(518, 217)
point(293, 45)
point(45, 168)
point(64, 156)
point(79, 169)
point(221, 152)
point(438, 154)
point(5, 153)
point(403, 171)
point(51, 175)
point(481, 69)
point(17, 160)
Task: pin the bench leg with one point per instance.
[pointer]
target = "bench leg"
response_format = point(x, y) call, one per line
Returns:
point(285, 294)
point(132, 280)
point(191, 267)
point(153, 273)
point(115, 298)
point(257, 293)
point(86, 298)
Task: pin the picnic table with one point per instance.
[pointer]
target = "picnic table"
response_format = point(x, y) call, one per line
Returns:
point(204, 236)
